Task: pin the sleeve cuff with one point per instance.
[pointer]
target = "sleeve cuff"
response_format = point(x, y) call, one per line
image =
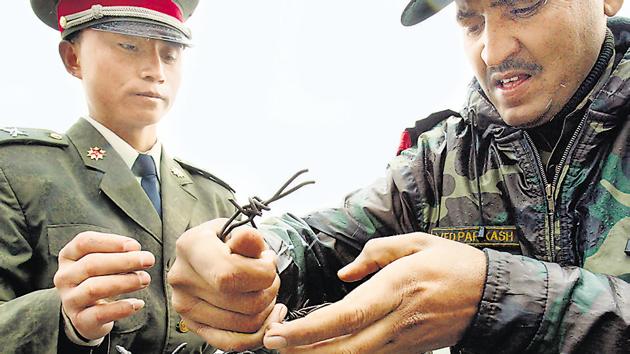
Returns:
point(74, 336)
point(512, 305)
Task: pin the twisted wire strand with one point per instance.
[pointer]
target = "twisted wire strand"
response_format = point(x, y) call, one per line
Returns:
point(256, 205)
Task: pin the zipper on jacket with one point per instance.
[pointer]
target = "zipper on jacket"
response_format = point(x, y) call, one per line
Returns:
point(548, 193)
point(550, 188)
point(565, 155)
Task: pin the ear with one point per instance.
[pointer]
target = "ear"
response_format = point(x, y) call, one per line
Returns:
point(611, 7)
point(70, 57)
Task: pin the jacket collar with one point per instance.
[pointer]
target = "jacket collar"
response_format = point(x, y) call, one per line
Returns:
point(117, 181)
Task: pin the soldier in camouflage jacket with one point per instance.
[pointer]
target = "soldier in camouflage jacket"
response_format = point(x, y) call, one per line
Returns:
point(554, 224)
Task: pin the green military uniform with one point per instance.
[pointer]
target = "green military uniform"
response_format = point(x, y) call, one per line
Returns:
point(556, 234)
point(51, 190)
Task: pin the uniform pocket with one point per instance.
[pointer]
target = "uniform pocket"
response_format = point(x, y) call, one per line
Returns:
point(60, 235)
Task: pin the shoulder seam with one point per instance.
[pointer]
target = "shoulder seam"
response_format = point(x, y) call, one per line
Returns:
point(204, 173)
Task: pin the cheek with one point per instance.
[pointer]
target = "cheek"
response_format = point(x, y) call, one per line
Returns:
point(473, 55)
point(174, 79)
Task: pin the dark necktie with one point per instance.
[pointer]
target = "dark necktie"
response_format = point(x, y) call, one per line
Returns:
point(144, 167)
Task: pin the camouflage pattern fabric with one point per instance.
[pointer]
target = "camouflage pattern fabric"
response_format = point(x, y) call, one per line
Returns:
point(565, 288)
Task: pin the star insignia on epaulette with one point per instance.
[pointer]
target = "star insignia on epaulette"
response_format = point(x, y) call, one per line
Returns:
point(177, 172)
point(96, 153)
point(14, 132)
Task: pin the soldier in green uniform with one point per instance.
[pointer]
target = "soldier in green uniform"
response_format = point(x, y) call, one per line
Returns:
point(502, 228)
point(89, 219)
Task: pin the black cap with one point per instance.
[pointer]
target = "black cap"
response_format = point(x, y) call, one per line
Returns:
point(419, 10)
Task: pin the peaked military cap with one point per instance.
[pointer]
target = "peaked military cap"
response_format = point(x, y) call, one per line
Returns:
point(419, 10)
point(156, 19)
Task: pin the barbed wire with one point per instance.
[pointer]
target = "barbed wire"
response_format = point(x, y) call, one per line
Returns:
point(256, 205)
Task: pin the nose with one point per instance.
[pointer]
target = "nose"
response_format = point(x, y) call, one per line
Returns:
point(153, 66)
point(498, 42)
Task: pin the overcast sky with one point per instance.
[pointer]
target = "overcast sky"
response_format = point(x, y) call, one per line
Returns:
point(269, 88)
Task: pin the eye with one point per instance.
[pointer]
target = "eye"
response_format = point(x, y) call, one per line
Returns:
point(527, 11)
point(128, 46)
point(473, 29)
point(473, 26)
point(170, 57)
point(171, 53)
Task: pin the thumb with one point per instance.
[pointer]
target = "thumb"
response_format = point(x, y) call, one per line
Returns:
point(380, 252)
point(278, 314)
point(247, 242)
point(361, 267)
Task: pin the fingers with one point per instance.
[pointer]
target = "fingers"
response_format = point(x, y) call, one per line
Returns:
point(380, 252)
point(247, 303)
point(234, 341)
point(201, 252)
point(242, 274)
point(99, 264)
point(96, 242)
point(369, 340)
point(247, 242)
point(356, 311)
point(96, 321)
point(94, 289)
point(202, 312)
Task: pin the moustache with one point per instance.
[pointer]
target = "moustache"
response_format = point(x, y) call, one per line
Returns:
point(515, 64)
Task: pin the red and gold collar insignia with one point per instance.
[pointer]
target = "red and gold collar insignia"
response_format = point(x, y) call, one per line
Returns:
point(96, 153)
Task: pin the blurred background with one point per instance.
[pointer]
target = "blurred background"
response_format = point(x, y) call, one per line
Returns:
point(269, 88)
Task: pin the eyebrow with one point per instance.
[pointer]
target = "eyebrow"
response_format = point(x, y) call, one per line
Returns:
point(463, 14)
point(495, 3)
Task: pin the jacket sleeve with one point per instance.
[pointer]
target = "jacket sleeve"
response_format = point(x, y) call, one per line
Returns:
point(530, 306)
point(29, 320)
point(311, 249)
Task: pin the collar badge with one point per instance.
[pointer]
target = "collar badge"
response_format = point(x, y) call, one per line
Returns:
point(96, 153)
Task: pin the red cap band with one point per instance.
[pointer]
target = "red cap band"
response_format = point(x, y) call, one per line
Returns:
point(70, 7)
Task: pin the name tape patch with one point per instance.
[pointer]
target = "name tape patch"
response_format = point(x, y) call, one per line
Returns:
point(486, 236)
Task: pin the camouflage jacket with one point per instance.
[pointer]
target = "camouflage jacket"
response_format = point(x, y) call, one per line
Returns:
point(563, 285)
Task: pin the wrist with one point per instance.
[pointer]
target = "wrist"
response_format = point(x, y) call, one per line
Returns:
point(74, 336)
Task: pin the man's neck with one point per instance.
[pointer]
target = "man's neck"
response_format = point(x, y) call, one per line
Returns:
point(140, 138)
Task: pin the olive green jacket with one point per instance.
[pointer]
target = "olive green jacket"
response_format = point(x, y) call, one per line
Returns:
point(51, 190)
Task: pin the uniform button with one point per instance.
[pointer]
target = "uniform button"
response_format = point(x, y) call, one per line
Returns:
point(182, 327)
point(56, 136)
point(63, 22)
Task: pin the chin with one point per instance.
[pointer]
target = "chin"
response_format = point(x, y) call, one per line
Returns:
point(524, 117)
point(146, 119)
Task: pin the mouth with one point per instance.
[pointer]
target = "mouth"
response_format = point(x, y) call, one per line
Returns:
point(149, 94)
point(509, 82)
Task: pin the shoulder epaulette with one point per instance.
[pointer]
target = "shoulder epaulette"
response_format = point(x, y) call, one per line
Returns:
point(410, 135)
point(190, 168)
point(28, 136)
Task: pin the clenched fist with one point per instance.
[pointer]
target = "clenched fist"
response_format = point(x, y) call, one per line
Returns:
point(226, 291)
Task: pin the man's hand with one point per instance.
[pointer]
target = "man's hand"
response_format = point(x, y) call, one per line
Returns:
point(424, 297)
point(226, 292)
point(93, 269)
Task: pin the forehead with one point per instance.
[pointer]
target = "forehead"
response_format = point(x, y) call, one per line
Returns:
point(464, 6)
point(106, 36)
